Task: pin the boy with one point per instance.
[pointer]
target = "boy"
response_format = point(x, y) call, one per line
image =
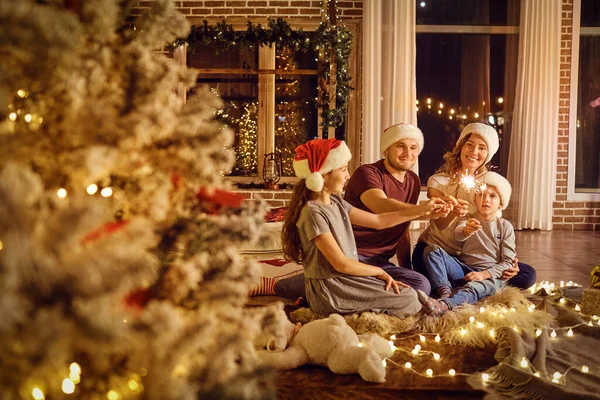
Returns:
point(488, 248)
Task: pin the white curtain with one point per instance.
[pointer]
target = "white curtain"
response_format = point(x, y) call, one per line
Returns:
point(389, 83)
point(532, 158)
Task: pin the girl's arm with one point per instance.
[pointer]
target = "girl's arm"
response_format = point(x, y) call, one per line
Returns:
point(331, 250)
point(388, 219)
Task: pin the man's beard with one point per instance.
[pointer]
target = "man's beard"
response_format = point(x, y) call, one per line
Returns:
point(397, 166)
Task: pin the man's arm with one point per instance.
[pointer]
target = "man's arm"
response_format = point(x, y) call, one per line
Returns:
point(377, 201)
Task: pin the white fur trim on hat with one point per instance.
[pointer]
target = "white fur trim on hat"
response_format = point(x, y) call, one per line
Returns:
point(335, 159)
point(401, 131)
point(487, 133)
point(502, 186)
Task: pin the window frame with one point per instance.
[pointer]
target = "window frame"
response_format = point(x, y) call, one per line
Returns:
point(577, 31)
point(266, 103)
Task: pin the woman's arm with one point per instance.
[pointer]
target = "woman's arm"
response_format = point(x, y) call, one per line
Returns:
point(331, 250)
point(388, 219)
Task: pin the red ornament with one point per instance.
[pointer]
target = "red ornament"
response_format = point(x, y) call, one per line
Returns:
point(138, 299)
point(106, 229)
point(219, 197)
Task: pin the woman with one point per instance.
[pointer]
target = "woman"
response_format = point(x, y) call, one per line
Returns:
point(466, 162)
point(317, 231)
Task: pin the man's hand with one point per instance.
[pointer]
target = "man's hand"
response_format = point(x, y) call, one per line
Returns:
point(461, 208)
point(512, 271)
point(402, 284)
point(436, 206)
point(472, 226)
point(477, 276)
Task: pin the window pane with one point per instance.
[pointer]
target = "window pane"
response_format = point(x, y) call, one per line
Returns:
point(590, 13)
point(467, 78)
point(239, 93)
point(296, 115)
point(587, 164)
point(468, 12)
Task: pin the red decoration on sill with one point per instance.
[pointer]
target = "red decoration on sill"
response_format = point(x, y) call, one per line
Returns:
point(219, 197)
point(106, 229)
point(138, 299)
point(276, 262)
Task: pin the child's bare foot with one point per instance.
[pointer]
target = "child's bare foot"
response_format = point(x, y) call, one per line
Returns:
point(432, 306)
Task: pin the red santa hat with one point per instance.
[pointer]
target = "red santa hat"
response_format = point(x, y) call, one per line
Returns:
point(317, 157)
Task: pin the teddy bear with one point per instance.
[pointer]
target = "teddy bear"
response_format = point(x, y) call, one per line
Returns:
point(329, 342)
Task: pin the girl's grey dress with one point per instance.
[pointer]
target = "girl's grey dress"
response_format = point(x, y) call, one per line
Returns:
point(329, 291)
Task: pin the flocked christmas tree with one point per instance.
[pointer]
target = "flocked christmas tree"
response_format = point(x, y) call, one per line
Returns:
point(119, 276)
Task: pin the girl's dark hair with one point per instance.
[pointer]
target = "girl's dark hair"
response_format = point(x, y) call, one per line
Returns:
point(290, 238)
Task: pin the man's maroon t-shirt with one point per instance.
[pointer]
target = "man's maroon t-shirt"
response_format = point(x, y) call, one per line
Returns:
point(373, 242)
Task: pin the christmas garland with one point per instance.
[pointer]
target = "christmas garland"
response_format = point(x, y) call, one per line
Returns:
point(333, 40)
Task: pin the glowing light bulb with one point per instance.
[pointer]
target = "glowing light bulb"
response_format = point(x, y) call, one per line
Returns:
point(589, 323)
point(134, 386)
point(492, 333)
point(1, 249)
point(92, 189)
point(422, 4)
point(415, 351)
point(436, 356)
point(481, 309)
point(106, 192)
point(452, 111)
point(524, 362)
point(553, 334)
point(451, 372)
point(538, 332)
point(62, 193)
point(476, 115)
point(68, 386)
point(485, 377)
point(422, 338)
point(113, 395)
point(417, 101)
point(577, 308)
point(463, 331)
point(21, 93)
point(417, 108)
point(12, 116)
point(437, 338)
point(537, 374)
point(417, 347)
point(28, 117)
point(393, 337)
point(450, 117)
point(360, 344)
point(562, 300)
point(407, 365)
point(429, 372)
point(440, 112)
point(441, 105)
point(428, 100)
point(37, 393)
point(500, 100)
point(557, 375)
point(585, 369)
point(480, 325)
point(570, 332)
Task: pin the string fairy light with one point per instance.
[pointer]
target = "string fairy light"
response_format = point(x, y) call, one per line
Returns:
point(37, 393)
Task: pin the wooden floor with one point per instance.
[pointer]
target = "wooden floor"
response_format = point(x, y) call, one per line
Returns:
point(556, 255)
point(560, 255)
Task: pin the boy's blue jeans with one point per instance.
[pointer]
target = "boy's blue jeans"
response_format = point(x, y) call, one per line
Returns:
point(445, 270)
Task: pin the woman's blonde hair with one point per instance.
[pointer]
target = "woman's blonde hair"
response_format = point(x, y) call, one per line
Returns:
point(453, 165)
point(290, 238)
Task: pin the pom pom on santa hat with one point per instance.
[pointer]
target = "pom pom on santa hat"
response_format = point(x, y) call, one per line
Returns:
point(318, 157)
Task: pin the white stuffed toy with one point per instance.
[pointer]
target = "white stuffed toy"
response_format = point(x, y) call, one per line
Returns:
point(329, 341)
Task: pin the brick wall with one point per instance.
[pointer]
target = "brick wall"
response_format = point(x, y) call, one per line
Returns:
point(568, 215)
point(275, 198)
point(262, 8)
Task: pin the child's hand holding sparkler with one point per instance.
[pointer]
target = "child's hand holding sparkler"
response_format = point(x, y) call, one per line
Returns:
point(472, 226)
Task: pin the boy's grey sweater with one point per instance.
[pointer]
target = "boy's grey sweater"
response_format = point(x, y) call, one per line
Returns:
point(491, 248)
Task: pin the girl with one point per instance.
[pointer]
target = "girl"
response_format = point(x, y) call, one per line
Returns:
point(317, 232)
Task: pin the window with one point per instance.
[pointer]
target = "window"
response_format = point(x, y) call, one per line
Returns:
point(466, 72)
point(269, 101)
point(586, 98)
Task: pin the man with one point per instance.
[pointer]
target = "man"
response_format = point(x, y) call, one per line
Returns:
point(386, 185)
point(390, 185)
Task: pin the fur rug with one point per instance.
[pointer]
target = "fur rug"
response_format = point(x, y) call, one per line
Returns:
point(468, 325)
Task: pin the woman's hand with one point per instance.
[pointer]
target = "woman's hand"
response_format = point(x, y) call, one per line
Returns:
point(477, 276)
point(436, 205)
point(472, 226)
point(512, 271)
point(389, 281)
point(461, 208)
